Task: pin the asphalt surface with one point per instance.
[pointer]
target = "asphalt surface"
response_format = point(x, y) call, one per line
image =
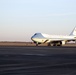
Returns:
point(38, 60)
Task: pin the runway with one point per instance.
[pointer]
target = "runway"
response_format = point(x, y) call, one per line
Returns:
point(38, 60)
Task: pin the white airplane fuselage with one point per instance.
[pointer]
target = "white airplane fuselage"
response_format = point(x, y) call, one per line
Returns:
point(54, 40)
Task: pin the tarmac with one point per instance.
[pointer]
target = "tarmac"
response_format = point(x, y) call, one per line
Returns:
point(42, 60)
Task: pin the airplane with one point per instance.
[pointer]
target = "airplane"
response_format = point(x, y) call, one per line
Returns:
point(53, 40)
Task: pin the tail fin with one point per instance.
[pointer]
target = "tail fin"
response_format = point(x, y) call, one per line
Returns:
point(73, 33)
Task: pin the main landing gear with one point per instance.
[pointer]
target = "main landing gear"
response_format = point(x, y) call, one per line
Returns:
point(55, 44)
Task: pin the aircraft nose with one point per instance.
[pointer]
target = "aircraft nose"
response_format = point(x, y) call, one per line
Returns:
point(32, 38)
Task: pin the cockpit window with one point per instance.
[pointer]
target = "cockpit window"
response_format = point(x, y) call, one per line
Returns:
point(35, 34)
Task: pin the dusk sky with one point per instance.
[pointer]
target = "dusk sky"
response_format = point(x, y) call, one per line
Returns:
point(20, 19)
